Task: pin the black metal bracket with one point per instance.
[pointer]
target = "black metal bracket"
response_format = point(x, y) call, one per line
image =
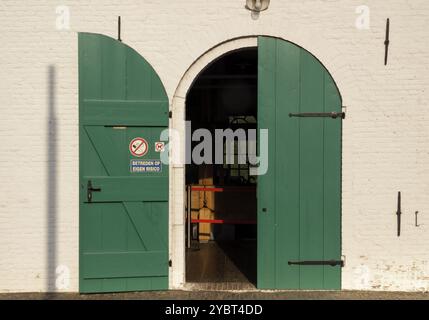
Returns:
point(90, 189)
point(387, 41)
point(333, 115)
point(119, 28)
point(331, 263)
point(398, 214)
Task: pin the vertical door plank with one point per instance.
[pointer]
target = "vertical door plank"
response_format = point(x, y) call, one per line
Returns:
point(287, 164)
point(311, 172)
point(266, 266)
point(332, 186)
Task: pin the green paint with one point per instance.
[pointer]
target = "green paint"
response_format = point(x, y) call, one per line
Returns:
point(301, 191)
point(124, 229)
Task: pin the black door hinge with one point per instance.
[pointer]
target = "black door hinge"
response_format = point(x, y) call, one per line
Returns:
point(331, 263)
point(170, 263)
point(333, 115)
point(170, 114)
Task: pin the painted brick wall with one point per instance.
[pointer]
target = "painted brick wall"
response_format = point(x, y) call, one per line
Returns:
point(386, 133)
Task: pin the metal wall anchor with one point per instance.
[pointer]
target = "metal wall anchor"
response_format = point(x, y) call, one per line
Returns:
point(386, 41)
point(119, 28)
point(398, 214)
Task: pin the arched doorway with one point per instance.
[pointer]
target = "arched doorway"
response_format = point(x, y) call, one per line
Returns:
point(299, 196)
point(221, 243)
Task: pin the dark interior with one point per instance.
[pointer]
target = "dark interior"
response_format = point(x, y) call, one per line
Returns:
point(223, 96)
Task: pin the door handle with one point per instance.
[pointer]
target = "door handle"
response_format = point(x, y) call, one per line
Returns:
point(90, 189)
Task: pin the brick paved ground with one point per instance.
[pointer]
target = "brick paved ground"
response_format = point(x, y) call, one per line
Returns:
point(223, 295)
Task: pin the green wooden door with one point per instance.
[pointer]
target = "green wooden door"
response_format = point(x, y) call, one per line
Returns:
point(124, 225)
point(299, 199)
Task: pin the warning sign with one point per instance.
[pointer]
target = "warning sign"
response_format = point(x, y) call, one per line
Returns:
point(159, 146)
point(145, 166)
point(138, 147)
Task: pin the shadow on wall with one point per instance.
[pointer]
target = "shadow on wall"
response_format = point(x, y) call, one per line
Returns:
point(51, 184)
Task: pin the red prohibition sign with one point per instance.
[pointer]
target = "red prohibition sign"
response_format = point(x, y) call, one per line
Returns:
point(138, 147)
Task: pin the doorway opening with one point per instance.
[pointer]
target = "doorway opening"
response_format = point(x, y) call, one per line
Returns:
point(221, 241)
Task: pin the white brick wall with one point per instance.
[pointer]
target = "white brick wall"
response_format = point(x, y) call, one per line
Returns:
point(386, 133)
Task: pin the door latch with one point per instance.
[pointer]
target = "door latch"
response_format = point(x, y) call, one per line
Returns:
point(90, 190)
